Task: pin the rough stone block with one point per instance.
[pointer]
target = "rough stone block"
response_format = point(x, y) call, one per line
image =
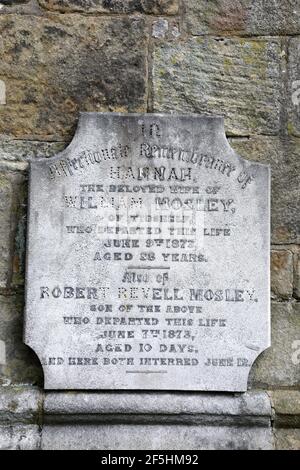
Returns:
point(6, 207)
point(13, 2)
point(297, 275)
point(293, 89)
point(20, 7)
point(19, 437)
point(20, 405)
point(279, 366)
point(155, 7)
point(13, 204)
point(13, 193)
point(286, 404)
point(22, 150)
point(20, 365)
point(19, 242)
point(53, 66)
point(282, 273)
point(284, 157)
point(287, 439)
point(155, 437)
point(238, 78)
point(246, 17)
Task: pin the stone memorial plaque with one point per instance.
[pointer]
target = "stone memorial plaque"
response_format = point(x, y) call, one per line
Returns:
point(148, 257)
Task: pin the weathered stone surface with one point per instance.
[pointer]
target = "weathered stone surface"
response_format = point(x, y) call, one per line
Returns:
point(166, 28)
point(238, 78)
point(53, 66)
point(160, 28)
point(284, 157)
point(20, 366)
point(6, 207)
point(282, 273)
point(293, 91)
point(20, 405)
point(13, 2)
point(13, 208)
point(20, 7)
point(19, 242)
point(155, 7)
point(280, 365)
point(13, 223)
point(287, 439)
point(207, 275)
point(155, 437)
point(247, 17)
point(247, 409)
point(286, 405)
point(297, 275)
point(24, 150)
point(19, 437)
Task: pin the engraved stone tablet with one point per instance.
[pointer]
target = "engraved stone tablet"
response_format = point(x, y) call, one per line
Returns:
point(148, 257)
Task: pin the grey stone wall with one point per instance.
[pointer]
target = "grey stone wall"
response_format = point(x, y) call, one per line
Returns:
point(235, 57)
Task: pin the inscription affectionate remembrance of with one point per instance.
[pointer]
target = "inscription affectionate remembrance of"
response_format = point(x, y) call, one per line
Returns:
point(148, 257)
